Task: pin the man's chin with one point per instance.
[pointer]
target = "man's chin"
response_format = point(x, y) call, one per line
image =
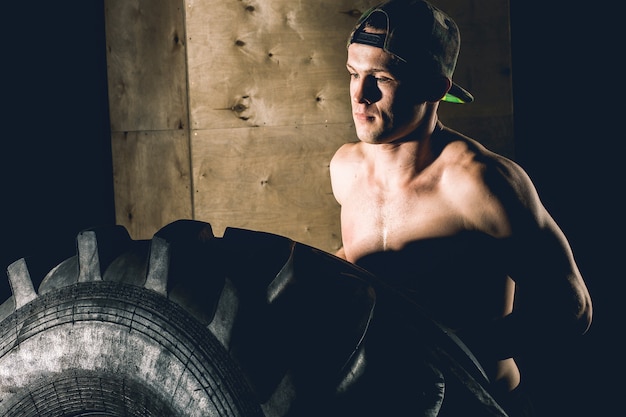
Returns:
point(367, 136)
point(370, 138)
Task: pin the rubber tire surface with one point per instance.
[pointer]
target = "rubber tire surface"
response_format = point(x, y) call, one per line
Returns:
point(249, 324)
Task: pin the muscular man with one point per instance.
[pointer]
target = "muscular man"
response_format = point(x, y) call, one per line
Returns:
point(436, 214)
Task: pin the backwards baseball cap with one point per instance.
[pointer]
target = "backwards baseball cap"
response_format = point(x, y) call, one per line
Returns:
point(417, 33)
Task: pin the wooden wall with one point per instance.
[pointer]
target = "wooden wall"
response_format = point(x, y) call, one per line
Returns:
point(228, 111)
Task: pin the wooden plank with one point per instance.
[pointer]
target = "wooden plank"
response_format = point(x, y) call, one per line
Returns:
point(146, 65)
point(274, 63)
point(268, 106)
point(151, 177)
point(272, 179)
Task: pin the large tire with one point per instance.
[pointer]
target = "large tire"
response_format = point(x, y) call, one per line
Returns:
point(249, 324)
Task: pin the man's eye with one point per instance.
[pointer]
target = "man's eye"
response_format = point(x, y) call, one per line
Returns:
point(354, 75)
point(383, 80)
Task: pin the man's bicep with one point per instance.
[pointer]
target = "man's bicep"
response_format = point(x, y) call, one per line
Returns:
point(547, 276)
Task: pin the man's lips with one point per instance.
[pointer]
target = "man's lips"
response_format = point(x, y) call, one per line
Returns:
point(363, 117)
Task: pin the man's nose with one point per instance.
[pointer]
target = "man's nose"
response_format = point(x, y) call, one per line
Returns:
point(364, 91)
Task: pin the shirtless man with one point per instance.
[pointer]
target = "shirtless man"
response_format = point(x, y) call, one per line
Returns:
point(433, 212)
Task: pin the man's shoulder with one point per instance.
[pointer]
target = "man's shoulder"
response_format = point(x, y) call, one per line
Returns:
point(483, 184)
point(342, 165)
point(350, 146)
point(468, 155)
point(347, 152)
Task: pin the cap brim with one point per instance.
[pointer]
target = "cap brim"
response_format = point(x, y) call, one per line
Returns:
point(458, 94)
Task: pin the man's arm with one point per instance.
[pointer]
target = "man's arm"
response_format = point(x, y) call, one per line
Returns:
point(543, 264)
point(338, 180)
point(552, 304)
point(552, 301)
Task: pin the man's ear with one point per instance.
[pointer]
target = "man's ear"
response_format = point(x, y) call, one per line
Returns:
point(438, 88)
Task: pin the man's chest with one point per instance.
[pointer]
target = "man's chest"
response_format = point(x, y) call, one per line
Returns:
point(460, 278)
point(374, 221)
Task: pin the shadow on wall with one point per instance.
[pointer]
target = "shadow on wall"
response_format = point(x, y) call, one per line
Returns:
point(56, 167)
point(565, 138)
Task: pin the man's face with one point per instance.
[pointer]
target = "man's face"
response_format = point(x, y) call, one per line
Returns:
point(384, 107)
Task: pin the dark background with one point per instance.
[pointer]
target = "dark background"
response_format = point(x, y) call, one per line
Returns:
point(57, 178)
point(567, 113)
point(56, 152)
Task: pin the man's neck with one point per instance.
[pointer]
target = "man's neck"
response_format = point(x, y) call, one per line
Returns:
point(407, 156)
